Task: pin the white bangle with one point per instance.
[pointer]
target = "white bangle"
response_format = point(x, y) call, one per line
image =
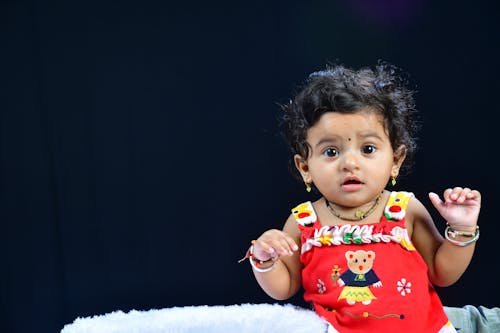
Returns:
point(453, 233)
point(255, 262)
point(262, 270)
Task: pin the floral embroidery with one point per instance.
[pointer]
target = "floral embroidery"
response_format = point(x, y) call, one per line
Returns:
point(325, 239)
point(404, 287)
point(348, 234)
point(335, 274)
point(321, 287)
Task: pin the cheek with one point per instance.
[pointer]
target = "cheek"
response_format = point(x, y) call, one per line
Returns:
point(325, 180)
point(381, 169)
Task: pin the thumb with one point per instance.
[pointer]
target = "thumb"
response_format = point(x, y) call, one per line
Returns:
point(436, 201)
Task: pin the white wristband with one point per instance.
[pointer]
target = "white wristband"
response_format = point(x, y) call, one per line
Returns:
point(450, 232)
point(262, 270)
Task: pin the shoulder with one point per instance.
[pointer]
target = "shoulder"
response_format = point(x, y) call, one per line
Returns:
point(421, 226)
point(292, 228)
point(416, 210)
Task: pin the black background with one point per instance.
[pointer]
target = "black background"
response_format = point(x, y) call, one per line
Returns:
point(139, 146)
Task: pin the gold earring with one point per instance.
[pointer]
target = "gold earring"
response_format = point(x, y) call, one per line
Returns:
point(308, 187)
point(393, 181)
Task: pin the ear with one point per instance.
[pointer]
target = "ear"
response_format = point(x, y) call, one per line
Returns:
point(301, 165)
point(399, 157)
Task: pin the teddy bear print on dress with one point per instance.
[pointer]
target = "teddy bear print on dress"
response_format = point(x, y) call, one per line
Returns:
point(359, 277)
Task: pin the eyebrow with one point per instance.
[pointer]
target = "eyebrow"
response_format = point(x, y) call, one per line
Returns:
point(329, 140)
point(370, 135)
point(325, 140)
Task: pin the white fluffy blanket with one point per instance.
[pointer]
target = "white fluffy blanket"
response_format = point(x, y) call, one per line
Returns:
point(245, 318)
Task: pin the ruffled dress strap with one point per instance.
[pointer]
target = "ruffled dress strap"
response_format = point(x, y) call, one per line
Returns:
point(395, 208)
point(305, 215)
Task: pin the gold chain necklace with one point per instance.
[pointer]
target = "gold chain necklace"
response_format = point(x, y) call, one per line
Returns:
point(358, 216)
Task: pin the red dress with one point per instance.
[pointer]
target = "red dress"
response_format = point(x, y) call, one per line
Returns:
point(368, 277)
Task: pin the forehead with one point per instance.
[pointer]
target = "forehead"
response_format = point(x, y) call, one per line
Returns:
point(348, 125)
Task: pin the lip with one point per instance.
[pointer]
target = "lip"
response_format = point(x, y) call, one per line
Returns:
point(350, 184)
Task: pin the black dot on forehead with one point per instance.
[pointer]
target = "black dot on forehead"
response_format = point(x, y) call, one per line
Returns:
point(348, 139)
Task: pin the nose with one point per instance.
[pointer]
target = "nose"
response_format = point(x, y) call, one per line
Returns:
point(349, 160)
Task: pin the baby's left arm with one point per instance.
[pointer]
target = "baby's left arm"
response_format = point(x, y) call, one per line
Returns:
point(460, 208)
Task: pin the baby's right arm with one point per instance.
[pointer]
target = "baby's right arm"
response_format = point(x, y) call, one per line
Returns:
point(283, 280)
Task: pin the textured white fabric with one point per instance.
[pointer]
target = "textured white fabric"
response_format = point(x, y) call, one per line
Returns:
point(245, 318)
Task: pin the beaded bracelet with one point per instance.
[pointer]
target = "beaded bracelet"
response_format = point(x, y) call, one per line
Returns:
point(256, 262)
point(450, 232)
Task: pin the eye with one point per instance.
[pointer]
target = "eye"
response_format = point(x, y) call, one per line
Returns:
point(331, 152)
point(368, 149)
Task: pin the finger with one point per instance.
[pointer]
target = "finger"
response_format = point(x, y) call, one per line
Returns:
point(446, 194)
point(458, 195)
point(474, 195)
point(462, 195)
point(285, 246)
point(454, 194)
point(436, 200)
point(439, 204)
point(285, 243)
point(262, 248)
point(275, 242)
point(291, 243)
point(271, 245)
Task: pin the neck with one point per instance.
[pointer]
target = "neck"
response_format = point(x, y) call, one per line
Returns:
point(359, 214)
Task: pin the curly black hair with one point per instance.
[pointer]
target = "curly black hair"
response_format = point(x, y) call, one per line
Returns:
point(383, 89)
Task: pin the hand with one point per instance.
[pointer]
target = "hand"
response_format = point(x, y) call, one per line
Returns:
point(274, 243)
point(460, 207)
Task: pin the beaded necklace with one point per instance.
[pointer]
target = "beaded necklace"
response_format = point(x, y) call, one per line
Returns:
point(358, 215)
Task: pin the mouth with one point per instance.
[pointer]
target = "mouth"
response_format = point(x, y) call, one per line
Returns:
point(351, 184)
point(352, 181)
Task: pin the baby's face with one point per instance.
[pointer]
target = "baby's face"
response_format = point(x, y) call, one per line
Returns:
point(351, 157)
